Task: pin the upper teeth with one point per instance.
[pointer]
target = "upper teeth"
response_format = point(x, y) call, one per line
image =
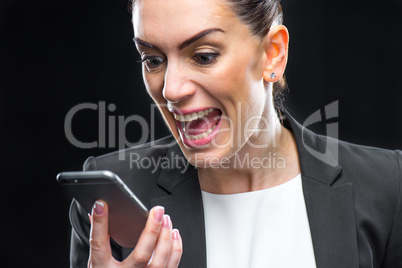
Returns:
point(193, 116)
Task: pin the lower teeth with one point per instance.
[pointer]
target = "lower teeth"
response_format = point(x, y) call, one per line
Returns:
point(200, 136)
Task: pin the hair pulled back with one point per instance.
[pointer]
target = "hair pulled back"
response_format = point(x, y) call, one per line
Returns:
point(260, 16)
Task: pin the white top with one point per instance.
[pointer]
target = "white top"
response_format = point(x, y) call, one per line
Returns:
point(266, 228)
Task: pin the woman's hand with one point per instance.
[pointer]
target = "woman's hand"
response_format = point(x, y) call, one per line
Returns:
point(158, 245)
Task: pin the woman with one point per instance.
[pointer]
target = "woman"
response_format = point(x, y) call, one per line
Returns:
point(214, 68)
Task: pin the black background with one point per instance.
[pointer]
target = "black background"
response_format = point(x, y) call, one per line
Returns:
point(57, 54)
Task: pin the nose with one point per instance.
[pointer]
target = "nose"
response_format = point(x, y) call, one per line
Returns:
point(178, 84)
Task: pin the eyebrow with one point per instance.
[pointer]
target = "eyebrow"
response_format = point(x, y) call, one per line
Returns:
point(199, 36)
point(143, 43)
point(185, 43)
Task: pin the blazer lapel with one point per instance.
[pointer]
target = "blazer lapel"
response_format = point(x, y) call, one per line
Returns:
point(332, 223)
point(329, 202)
point(183, 202)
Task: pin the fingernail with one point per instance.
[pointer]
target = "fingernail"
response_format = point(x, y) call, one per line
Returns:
point(99, 208)
point(166, 222)
point(175, 234)
point(158, 214)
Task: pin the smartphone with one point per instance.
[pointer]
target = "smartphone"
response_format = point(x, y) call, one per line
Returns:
point(127, 215)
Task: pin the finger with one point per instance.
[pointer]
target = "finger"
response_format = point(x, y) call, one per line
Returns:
point(147, 241)
point(176, 251)
point(164, 244)
point(100, 252)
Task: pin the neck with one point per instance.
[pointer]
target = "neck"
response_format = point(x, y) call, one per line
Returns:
point(270, 160)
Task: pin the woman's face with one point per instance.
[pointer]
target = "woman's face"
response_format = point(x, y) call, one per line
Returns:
point(203, 68)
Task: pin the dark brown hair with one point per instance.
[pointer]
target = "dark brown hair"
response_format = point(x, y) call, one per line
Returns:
point(260, 15)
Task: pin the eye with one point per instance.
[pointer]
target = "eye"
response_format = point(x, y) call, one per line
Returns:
point(153, 62)
point(205, 58)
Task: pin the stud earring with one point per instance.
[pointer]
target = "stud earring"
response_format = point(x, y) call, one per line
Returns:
point(273, 75)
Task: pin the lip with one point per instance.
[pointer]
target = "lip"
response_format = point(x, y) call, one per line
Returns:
point(199, 142)
point(188, 111)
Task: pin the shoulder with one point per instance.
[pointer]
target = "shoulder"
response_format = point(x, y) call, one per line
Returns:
point(368, 157)
point(375, 174)
point(322, 157)
point(365, 163)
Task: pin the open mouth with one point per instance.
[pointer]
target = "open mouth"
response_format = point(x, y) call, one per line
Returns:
point(198, 125)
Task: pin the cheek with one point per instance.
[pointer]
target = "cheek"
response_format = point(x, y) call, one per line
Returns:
point(234, 86)
point(240, 89)
point(241, 71)
point(154, 86)
point(227, 82)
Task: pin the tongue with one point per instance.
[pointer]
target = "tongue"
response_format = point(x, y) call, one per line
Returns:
point(203, 124)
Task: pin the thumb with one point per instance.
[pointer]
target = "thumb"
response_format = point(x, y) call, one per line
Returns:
point(100, 253)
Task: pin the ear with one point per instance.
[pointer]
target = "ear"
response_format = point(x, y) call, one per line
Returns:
point(276, 53)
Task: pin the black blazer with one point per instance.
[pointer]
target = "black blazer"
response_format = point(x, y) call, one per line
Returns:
point(354, 206)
